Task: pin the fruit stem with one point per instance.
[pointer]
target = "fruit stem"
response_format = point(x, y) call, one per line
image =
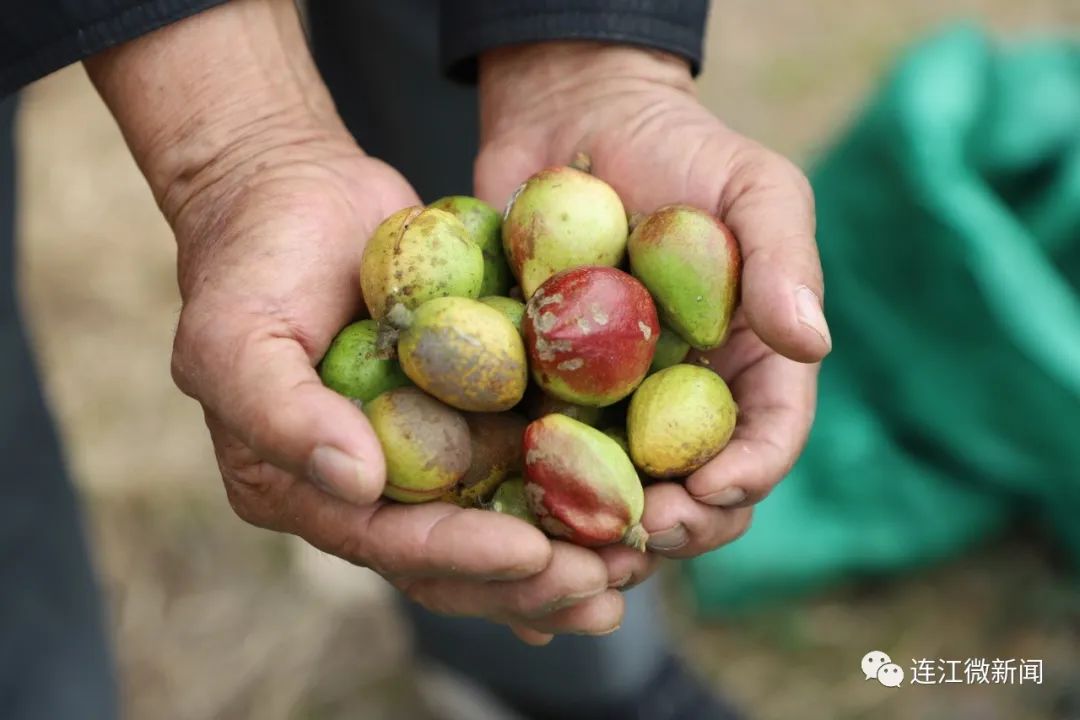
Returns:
point(582, 162)
point(386, 341)
point(636, 537)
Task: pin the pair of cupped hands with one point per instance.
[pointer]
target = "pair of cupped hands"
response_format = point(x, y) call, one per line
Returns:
point(271, 202)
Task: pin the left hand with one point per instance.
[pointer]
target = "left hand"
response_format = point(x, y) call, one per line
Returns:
point(636, 114)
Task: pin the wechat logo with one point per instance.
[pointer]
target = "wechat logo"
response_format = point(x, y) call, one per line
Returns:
point(877, 665)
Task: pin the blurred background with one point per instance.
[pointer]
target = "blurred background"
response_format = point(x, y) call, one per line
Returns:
point(214, 619)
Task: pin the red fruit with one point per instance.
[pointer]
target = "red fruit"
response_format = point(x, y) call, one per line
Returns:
point(581, 485)
point(590, 333)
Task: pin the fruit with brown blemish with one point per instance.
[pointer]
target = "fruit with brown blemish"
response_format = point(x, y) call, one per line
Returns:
point(353, 368)
point(496, 453)
point(426, 444)
point(562, 218)
point(510, 499)
point(679, 419)
point(591, 333)
point(417, 254)
point(485, 228)
point(671, 349)
point(690, 262)
point(463, 352)
point(581, 485)
point(514, 310)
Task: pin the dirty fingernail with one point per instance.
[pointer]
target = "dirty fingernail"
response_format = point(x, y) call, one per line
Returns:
point(337, 473)
point(670, 539)
point(570, 600)
point(808, 309)
point(725, 498)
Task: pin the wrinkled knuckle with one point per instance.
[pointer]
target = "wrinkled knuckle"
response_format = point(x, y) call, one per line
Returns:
point(197, 334)
point(245, 502)
point(253, 499)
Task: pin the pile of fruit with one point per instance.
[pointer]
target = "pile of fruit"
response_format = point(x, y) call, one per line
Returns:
point(533, 364)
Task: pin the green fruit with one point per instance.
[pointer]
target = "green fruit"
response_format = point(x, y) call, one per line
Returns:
point(679, 419)
point(496, 452)
point(417, 254)
point(671, 349)
point(510, 499)
point(690, 263)
point(485, 228)
point(512, 309)
point(352, 367)
point(562, 218)
point(464, 353)
point(426, 444)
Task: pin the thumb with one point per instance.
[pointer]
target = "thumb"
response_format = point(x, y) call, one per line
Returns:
point(769, 206)
point(254, 374)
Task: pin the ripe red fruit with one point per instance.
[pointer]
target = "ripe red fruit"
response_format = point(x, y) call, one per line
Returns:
point(581, 485)
point(590, 333)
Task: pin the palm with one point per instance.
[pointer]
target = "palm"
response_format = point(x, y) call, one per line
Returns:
point(669, 149)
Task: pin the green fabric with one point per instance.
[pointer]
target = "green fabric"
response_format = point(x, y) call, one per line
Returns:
point(949, 226)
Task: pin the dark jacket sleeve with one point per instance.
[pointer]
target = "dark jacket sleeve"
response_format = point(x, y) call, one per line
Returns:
point(39, 36)
point(469, 27)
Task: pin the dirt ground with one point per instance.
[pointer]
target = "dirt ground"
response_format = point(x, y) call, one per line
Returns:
point(213, 619)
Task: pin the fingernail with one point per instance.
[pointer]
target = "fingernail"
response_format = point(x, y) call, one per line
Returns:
point(337, 473)
point(621, 582)
point(602, 632)
point(725, 498)
point(670, 539)
point(808, 309)
point(569, 600)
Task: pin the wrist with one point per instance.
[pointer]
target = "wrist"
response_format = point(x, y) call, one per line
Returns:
point(207, 97)
point(548, 76)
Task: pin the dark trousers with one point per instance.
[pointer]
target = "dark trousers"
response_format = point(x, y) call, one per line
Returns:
point(379, 59)
point(54, 661)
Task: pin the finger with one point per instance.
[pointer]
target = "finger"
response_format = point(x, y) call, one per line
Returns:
point(681, 527)
point(433, 539)
point(776, 399)
point(626, 566)
point(531, 637)
point(251, 372)
point(768, 204)
point(599, 615)
point(574, 575)
point(501, 167)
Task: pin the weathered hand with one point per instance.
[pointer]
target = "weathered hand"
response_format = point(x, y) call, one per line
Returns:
point(635, 113)
point(271, 202)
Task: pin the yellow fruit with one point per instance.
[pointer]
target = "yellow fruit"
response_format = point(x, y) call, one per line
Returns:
point(417, 254)
point(463, 352)
point(426, 444)
point(679, 419)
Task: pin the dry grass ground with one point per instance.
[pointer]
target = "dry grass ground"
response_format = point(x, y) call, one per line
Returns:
point(213, 619)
